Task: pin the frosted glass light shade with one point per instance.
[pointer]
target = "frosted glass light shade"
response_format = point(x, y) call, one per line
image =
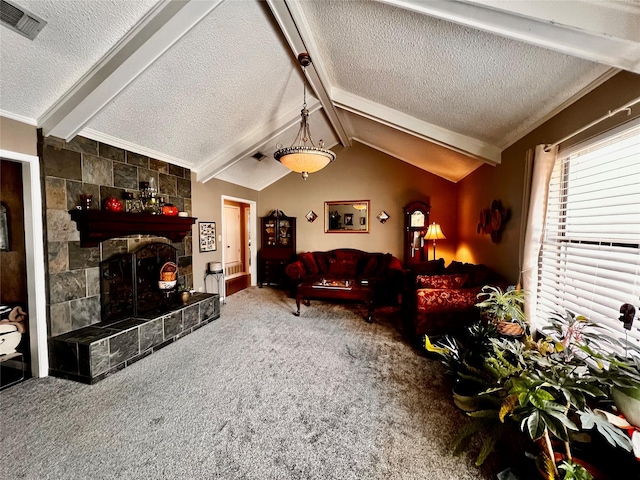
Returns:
point(304, 159)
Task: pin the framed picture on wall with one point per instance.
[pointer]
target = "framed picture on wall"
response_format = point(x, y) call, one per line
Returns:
point(348, 218)
point(207, 231)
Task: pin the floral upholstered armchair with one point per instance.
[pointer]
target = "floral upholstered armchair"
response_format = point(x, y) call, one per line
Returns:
point(443, 300)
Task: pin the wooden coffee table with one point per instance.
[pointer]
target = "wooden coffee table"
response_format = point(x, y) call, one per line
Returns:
point(336, 289)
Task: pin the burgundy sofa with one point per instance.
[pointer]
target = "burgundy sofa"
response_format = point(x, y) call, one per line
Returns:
point(441, 300)
point(383, 271)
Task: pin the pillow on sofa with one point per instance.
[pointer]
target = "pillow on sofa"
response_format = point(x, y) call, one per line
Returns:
point(343, 268)
point(322, 260)
point(430, 267)
point(451, 282)
point(347, 254)
point(295, 270)
point(383, 264)
point(371, 266)
point(454, 267)
point(309, 263)
point(479, 274)
point(395, 264)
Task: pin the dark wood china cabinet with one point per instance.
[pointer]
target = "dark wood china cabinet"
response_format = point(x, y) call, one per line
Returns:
point(277, 248)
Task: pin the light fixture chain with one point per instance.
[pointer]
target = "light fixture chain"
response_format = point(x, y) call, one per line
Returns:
point(304, 88)
point(304, 158)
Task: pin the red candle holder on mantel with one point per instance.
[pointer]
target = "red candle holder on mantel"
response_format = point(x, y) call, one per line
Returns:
point(112, 204)
point(169, 209)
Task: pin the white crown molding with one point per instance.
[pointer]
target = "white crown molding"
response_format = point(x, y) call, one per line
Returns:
point(297, 31)
point(414, 126)
point(160, 29)
point(249, 144)
point(18, 118)
point(517, 135)
point(596, 47)
point(132, 147)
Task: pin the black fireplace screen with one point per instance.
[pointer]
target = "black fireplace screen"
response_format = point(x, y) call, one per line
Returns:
point(129, 282)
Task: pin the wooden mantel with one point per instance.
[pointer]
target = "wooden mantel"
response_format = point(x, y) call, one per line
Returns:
point(96, 226)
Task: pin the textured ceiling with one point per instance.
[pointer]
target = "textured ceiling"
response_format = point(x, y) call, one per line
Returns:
point(251, 173)
point(35, 74)
point(475, 83)
point(444, 86)
point(202, 96)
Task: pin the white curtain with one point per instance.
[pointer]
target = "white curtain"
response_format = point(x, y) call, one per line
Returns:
point(543, 163)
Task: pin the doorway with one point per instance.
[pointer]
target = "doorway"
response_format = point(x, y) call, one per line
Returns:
point(236, 238)
point(35, 261)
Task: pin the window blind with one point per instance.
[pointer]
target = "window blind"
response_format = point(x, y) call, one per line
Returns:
point(589, 262)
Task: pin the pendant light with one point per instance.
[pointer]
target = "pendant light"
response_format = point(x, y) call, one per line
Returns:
point(303, 156)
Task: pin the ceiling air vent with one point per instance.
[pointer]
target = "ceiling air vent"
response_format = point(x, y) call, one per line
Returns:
point(20, 20)
point(259, 156)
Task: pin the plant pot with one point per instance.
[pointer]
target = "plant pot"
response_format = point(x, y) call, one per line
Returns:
point(628, 402)
point(595, 472)
point(466, 396)
point(510, 329)
point(184, 297)
point(466, 403)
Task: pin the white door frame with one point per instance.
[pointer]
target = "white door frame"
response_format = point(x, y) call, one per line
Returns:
point(35, 261)
point(253, 269)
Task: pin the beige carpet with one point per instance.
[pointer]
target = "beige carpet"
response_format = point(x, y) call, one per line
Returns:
point(258, 394)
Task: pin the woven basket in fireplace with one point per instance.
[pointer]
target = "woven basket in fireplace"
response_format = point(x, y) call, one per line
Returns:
point(168, 276)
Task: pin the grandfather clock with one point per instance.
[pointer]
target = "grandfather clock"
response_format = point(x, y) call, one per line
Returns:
point(416, 223)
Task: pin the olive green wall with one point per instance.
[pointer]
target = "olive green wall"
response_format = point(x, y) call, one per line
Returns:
point(506, 181)
point(362, 173)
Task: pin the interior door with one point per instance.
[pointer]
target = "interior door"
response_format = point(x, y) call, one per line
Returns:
point(233, 252)
point(237, 246)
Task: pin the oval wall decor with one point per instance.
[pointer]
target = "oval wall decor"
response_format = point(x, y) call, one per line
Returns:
point(492, 220)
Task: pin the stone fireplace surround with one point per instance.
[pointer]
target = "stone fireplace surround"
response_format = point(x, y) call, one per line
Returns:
point(137, 317)
point(90, 167)
point(81, 346)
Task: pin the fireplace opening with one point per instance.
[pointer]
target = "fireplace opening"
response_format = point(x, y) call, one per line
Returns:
point(130, 285)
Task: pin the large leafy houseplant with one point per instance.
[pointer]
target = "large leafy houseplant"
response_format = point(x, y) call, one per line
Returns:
point(551, 399)
point(547, 387)
point(611, 359)
point(505, 308)
point(464, 359)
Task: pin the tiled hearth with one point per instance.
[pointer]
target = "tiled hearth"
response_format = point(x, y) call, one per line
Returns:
point(91, 353)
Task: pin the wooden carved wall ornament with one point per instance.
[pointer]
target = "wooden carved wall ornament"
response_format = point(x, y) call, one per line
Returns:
point(492, 220)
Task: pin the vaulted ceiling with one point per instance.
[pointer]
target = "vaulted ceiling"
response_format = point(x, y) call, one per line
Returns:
point(205, 84)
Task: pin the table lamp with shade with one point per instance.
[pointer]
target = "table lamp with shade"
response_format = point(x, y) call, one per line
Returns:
point(434, 233)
